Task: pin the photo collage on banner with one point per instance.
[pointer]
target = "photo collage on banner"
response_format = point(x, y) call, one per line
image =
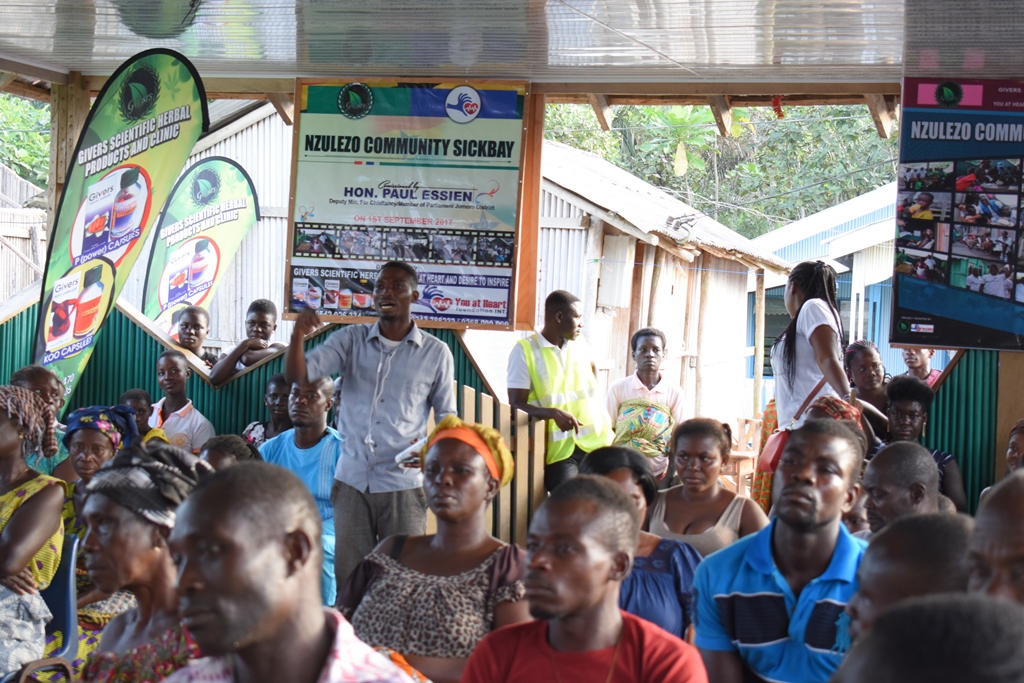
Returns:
point(959, 256)
point(422, 173)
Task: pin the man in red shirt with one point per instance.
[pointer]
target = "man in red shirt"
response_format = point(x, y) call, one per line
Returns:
point(580, 548)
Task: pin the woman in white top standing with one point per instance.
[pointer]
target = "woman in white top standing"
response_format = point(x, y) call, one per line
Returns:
point(811, 345)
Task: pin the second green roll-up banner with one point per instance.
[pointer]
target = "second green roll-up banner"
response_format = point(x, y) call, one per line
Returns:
point(208, 213)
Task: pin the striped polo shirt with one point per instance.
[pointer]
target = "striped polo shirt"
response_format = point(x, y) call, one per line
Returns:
point(744, 605)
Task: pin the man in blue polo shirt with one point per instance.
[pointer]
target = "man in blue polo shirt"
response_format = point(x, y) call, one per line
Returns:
point(311, 450)
point(770, 606)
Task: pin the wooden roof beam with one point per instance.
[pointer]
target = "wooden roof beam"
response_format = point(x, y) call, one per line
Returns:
point(705, 89)
point(602, 110)
point(227, 88)
point(883, 111)
point(26, 90)
point(722, 111)
point(284, 104)
point(701, 100)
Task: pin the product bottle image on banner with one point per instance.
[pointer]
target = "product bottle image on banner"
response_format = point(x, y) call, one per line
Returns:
point(127, 212)
point(200, 266)
point(89, 302)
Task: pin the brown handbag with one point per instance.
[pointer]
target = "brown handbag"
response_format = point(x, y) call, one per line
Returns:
point(773, 447)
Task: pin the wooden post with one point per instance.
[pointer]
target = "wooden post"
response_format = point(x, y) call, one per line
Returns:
point(602, 110)
point(69, 107)
point(702, 314)
point(659, 268)
point(521, 483)
point(758, 338)
point(722, 111)
point(528, 240)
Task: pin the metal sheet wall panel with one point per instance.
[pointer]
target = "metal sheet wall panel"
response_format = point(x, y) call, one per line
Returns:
point(815, 246)
point(963, 419)
point(561, 252)
point(16, 338)
point(560, 263)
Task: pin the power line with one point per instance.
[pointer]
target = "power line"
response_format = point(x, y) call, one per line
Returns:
point(703, 125)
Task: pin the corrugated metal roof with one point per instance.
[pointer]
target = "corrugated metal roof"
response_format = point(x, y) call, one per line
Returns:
point(223, 112)
point(856, 213)
point(661, 40)
point(646, 207)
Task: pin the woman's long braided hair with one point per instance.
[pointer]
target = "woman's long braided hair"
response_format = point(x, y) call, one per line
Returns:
point(817, 280)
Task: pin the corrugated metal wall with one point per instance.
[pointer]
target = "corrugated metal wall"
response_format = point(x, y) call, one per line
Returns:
point(16, 336)
point(257, 271)
point(125, 358)
point(561, 252)
point(811, 247)
point(963, 419)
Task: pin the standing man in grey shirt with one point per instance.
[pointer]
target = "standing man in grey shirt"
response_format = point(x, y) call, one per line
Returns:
point(394, 375)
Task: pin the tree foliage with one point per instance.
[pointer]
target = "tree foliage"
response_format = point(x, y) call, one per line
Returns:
point(768, 173)
point(25, 137)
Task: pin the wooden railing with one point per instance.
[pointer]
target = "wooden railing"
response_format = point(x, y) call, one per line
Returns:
point(513, 508)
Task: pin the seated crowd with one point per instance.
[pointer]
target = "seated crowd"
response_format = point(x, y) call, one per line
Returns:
point(298, 550)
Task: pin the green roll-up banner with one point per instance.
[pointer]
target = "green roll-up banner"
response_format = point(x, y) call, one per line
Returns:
point(137, 138)
point(207, 214)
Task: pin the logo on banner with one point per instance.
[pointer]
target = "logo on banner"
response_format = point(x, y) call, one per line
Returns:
point(462, 104)
point(442, 303)
point(948, 94)
point(139, 93)
point(355, 100)
point(205, 187)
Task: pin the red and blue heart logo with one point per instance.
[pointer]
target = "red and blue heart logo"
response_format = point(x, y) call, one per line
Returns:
point(442, 303)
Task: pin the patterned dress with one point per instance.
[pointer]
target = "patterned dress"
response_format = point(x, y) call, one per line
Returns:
point(23, 618)
point(396, 607)
point(149, 663)
point(761, 488)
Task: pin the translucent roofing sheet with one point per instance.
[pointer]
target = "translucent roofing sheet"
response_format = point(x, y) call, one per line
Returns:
point(554, 40)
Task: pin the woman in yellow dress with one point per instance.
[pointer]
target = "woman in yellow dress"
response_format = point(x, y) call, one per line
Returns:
point(31, 533)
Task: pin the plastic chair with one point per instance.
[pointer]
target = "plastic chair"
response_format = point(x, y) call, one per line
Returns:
point(61, 596)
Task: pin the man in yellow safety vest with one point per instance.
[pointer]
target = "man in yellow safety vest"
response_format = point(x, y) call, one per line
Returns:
point(550, 378)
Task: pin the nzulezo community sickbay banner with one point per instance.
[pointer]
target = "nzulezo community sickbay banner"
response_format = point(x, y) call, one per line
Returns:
point(426, 173)
point(207, 214)
point(959, 263)
point(136, 139)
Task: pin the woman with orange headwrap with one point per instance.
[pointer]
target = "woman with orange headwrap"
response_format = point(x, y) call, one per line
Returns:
point(432, 598)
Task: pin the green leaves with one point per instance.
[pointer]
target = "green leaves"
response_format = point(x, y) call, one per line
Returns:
point(25, 137)
point(767, 174)
point(354, 99)
point(139, 93)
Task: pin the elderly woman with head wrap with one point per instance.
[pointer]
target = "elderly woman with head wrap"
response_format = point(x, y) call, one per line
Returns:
point(31, 536)
point(432, 598)
point(92, 437)
point(129, 513)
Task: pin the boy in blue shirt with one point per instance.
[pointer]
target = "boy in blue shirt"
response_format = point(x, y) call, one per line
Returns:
point(771, 606)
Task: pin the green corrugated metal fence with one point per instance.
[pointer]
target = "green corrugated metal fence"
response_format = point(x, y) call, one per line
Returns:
point(16, 336)
point(125, 358)
point(963, 419)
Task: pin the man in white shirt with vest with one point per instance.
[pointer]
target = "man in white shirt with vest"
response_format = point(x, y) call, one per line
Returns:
point(550, 378)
